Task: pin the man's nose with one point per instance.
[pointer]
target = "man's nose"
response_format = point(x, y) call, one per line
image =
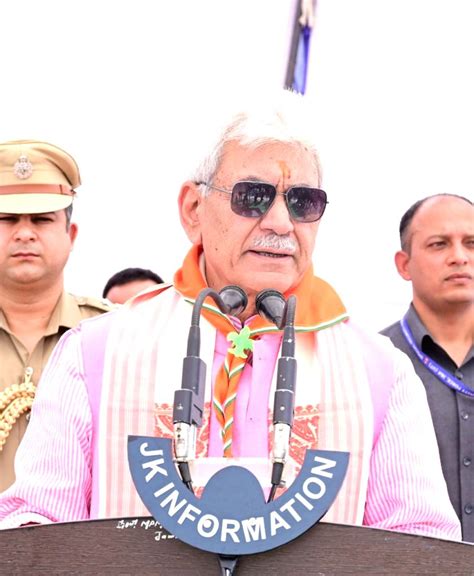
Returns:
point(24, 231)
point(459, 253)
point(278, 218)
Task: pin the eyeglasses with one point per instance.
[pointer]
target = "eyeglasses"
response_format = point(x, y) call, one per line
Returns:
point(254, 199)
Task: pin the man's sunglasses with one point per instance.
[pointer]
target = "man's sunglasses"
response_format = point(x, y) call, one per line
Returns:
point(254, 199)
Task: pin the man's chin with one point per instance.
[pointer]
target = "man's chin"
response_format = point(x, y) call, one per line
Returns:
point(462, 298)
point(26, 278)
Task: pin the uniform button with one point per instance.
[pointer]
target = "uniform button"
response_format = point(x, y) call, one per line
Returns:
point(466, 461)
point(468, 508)
point(459, 374)
point(464, 415)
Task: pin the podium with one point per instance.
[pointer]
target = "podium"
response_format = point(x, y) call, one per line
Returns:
point(141, 546)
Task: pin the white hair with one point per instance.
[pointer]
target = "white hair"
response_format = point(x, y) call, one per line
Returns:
point(284, 117)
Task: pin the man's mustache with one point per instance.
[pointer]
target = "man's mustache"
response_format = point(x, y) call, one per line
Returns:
point(284, 243)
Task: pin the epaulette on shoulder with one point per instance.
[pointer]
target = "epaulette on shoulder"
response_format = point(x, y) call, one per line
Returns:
point(98, 303)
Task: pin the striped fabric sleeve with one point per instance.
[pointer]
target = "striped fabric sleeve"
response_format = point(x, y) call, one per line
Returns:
point(53, 462)
point(407, 491)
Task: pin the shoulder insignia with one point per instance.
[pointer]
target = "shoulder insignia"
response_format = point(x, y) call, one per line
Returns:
point(99, 303)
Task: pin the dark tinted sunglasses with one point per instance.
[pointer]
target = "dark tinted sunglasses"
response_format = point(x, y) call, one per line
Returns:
point(254, 199)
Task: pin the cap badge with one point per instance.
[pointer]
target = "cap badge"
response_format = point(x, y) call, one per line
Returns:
point(23, 168)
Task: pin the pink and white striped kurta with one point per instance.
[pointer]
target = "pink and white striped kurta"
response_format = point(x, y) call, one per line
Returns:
point(55, 468)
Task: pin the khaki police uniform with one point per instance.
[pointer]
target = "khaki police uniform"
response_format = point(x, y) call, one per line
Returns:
point(35, 177)
point(15, 360)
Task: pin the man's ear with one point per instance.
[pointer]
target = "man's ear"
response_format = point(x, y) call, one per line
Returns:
point(72, 233)
point(189, 200)
point(401, 262)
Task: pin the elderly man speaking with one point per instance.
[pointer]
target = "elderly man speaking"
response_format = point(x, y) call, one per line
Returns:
point(252, 212)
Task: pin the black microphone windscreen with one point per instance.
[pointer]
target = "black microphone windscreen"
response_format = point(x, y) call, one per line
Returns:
point(234, 298)
point(271, 305)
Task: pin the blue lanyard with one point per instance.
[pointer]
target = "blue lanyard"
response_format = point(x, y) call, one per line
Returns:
point(432, 366)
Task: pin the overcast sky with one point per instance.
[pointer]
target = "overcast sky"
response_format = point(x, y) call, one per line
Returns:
point(128, 87)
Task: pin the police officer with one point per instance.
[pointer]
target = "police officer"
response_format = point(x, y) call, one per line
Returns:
point(37, 188)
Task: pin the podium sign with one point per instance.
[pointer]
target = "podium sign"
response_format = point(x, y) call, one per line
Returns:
point(232, 517)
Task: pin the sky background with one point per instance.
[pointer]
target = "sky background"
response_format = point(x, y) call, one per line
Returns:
point(131, 88)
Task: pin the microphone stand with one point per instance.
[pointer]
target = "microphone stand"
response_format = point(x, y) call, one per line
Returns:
point(270, 304)
point(189, 399)
point(188, 403)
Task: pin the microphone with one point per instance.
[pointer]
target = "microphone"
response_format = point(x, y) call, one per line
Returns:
point(271, 304)
point(235, 299)
point(188, 403)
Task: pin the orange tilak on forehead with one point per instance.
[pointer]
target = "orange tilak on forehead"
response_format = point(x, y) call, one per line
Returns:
point(285, 169)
